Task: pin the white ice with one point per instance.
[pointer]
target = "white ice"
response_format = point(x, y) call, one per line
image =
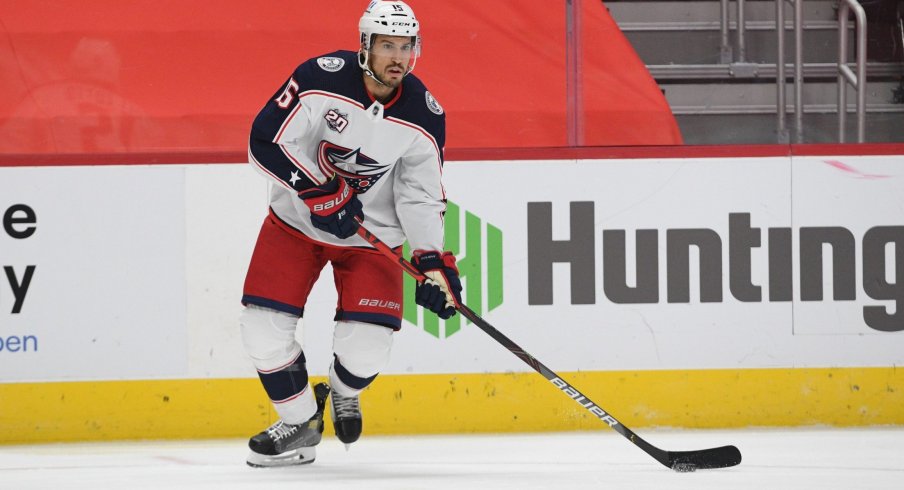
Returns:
point(774, 459)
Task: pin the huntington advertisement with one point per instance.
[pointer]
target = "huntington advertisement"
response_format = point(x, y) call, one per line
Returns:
point(590, 265)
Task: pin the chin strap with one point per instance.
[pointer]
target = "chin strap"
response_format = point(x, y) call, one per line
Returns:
point(374, 77)
point(364, 63)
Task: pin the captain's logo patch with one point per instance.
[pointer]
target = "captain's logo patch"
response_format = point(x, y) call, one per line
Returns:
point(330, 63)
point(433, 105)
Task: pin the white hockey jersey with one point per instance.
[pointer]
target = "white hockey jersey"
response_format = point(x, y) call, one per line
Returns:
point(324, 121)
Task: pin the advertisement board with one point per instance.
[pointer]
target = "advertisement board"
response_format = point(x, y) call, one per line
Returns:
point(687, 263)
point(135, 272)
point(94, 273)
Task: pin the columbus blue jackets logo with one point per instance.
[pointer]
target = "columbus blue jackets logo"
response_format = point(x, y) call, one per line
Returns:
point(359, 170)
point(330, 63)
point(433, 105)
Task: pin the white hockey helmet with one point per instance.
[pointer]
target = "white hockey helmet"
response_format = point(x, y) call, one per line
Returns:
point(390, 18)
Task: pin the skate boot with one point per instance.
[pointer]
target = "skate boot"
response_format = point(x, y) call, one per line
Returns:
point(346, 414)
point(285, 444)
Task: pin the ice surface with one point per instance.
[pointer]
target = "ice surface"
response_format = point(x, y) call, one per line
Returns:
point(774, 459)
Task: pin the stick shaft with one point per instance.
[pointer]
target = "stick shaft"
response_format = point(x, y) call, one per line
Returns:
point(514, 348)
point(706, 458)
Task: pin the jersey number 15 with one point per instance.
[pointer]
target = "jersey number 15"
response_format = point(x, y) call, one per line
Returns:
point(285, 98)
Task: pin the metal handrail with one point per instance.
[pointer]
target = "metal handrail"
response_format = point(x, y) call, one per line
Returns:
point(742, 32)
point(780, 78)
point(845, 75)
point(799, 70)
point(573, 66)
point(781, 129)
point(725, 55)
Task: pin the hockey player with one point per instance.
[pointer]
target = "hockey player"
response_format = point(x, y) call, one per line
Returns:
point(348, 136)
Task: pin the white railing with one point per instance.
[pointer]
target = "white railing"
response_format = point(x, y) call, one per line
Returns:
point(781, 78)
point(781, 70)
point(845, 74)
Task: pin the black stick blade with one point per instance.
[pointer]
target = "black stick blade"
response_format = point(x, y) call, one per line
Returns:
point(704, 459)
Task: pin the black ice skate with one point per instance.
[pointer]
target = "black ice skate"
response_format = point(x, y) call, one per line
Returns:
point(286, 444)
point(346, 414)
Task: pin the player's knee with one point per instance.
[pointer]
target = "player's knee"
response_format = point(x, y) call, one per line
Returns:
point(268, 336)
point(362, 348)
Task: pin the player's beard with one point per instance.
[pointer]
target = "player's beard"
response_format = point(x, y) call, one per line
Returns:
point(389, 82)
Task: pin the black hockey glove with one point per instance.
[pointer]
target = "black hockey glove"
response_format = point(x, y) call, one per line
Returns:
point(333, 207)
point(441, 292)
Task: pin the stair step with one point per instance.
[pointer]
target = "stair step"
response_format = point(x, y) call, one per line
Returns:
point(720, 103)
point(715, 26)
point(739, 129)
point(759, 98)
point(673, 72)
point(697, 47)
point(638, 13)
point(688, 32)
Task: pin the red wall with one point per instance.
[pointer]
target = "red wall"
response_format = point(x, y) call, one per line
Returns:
point(143, 76)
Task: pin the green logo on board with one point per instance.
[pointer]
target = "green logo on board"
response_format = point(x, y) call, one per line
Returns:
point(478, 249)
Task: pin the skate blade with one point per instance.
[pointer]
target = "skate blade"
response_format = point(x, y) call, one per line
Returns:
point(300, 456)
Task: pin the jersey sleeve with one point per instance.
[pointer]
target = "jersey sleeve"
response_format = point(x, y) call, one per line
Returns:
point(420, 196)
point(273, 147)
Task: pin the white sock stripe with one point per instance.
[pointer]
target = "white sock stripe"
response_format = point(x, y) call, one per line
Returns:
point(269, 371)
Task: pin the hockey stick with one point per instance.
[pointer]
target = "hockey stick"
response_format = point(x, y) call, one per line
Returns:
point(682, 461)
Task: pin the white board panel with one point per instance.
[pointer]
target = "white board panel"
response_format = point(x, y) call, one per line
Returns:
point(107, 296)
